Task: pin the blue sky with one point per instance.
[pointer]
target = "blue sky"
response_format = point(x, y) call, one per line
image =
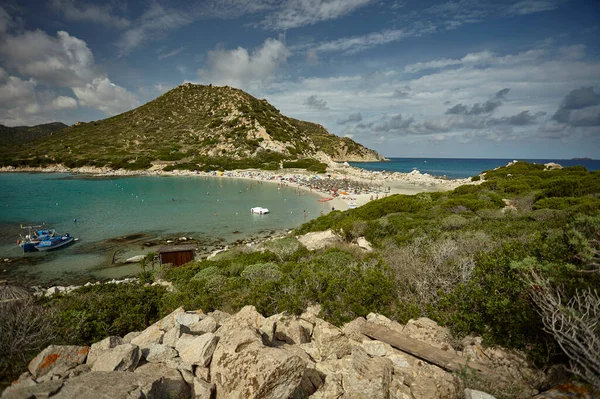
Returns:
point(466, 78)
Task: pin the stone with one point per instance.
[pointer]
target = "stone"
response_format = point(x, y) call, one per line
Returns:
point(364, 244)
point(291, 331)
point(158, 353)
point(123, 385)
point(57, 358)
point(202, 373)
point(319, 239)
point(311, 381)
point(352, 329)
point(311, 313)
point(77, 371)
point(384, 321)
point(158, 369)
point(219, 316)
point(151, 335)
point(398, 390)
point(43, 390)
point(398, 360)
point(206, 325)
point(197, 350)
point(473, 394)
point(171, 337)
point(569, 390)
point(330, 340)
point(129, 336)
point(242, 367)
point(428, 331)
point(99, 347)
point(120, 358)
point(377, 348)
point(203, 389)
point(367, 378)
point(187, 318)
point(168, 322)
point(248, 316)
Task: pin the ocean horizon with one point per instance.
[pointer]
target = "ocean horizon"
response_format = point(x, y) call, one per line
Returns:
point(458, 168)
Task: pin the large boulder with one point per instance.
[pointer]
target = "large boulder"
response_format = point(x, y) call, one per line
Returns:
point(318, 239)
point(158, 353)
point(197, 350)
point(57, 359)
point(150, 336)
point(242, 367)
point(187, 318)
point(123, 385)
point(367, 378)
point(43, 390)
point(292, 330)
point(330, 340)
point(206, 325)
point(99, 347)
point(120, 358)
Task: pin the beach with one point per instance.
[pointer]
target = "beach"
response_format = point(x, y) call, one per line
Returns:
point(345, 185)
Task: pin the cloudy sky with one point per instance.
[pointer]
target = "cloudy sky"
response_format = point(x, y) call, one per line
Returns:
point(422, 78)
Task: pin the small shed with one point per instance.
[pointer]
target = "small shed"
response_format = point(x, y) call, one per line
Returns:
point(177, 255)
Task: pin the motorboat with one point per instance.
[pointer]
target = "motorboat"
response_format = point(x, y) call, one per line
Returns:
point(43, 239)
point(259, 210)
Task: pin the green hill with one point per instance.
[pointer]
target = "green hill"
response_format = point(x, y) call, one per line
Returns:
point(15, 136)
point(192, 126)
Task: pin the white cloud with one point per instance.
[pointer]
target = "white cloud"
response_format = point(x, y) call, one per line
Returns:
point(88, 12)
point(155, 23)
point(104, 95)
point(242, 69)
point(63, 102)
point(15, 92)
point(534, 6)
point(296, 13)
point(162, 55)
point(63, 60)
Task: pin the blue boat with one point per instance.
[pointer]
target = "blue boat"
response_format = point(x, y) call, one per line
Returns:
point(43, 240)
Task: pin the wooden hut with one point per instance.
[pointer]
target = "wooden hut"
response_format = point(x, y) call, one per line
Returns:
point(176, 255)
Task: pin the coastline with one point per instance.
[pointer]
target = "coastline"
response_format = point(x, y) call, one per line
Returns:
point(373, 184)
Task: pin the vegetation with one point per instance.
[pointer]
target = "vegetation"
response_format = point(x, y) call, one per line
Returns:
point(522, 276)
point(193, 127)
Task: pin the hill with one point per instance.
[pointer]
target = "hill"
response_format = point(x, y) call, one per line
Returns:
point(14, 136)
point(193, 126)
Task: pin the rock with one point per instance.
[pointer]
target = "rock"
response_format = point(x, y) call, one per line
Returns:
point(364, 244)
point(168, 322)
point(203, 389)
point(123, 385)
point(129, 336)
point(376, 348)
point(151, 335)
point(120, 358)
point(202, 373)
point(158, 353)
point(77, 371)
point(368, 378)
point(352, 329)
point(384, 321)
point(219, 316)
point(428, 331)
point(99, 347)
point(398, 390)
point(330, 340)
point(187, 318)
point(197, 350)
point(569, 391)
point(248, 316)
point(242, 367)
point(269, 325)
point(473, 394)
point(311, 381)
point(291, 331)
point(318, 239)
point(154, 369)
point(171, 337)
point(206, 325)
point(311, 313)
point(43, 390)
point(57, 359)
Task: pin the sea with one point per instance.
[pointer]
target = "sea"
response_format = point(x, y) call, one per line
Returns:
point(123, 215)
point(456, 168)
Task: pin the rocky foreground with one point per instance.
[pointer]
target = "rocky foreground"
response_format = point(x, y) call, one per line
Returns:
point(189, 354)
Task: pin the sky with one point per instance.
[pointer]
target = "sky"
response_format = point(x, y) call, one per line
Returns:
point(408, 78)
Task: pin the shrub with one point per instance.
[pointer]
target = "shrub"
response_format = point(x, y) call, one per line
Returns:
point(261, 272)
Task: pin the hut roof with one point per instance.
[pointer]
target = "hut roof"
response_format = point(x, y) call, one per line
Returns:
point(176, 248)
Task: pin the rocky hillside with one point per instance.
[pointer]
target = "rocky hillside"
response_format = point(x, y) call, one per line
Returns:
point(191, 123)
point(17, 135)
point(189, 354)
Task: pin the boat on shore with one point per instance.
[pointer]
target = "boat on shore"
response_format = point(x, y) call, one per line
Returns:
point(43, 239)
point(325, 199)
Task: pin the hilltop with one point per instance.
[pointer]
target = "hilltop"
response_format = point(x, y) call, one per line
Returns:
point(14, 136)
point(191, 126)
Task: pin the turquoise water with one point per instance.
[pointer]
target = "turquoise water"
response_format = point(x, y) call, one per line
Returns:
point(455, 168)
point(205, 208)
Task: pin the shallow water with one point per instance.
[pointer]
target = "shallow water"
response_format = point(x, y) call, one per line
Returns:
point(97, 209)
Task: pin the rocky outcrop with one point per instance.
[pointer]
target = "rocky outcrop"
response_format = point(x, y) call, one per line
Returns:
point(189, 354)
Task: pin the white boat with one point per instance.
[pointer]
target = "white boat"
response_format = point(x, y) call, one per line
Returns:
point(352, 205)
point(259, 210)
